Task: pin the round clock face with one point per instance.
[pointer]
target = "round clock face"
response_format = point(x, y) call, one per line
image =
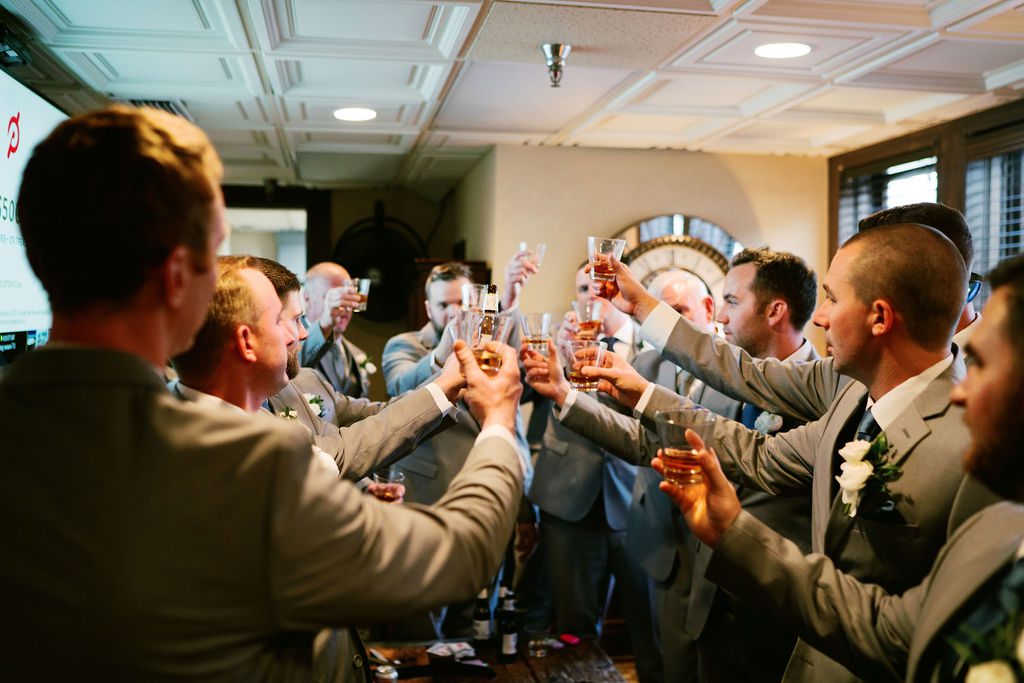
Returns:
point(679, 252)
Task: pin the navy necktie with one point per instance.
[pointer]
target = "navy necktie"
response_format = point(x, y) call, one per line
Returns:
point(868, 429)
point(611, 342)
point(749, 415)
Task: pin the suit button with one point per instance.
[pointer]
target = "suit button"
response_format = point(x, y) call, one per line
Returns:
point(357, 662)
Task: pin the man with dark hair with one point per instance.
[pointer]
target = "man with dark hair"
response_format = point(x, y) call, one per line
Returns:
point(963, 620)
point(953, 225)
point(780, 277)
point(174, 541)
point(901, 376)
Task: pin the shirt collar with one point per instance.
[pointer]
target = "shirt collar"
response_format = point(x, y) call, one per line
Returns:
point(886, 409)
point(203, 399)
point(963, 336)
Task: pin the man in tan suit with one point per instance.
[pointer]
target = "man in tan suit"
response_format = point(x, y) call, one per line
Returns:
point(888, 328)
point(229, 364)
point(147, 538)
point(966, 613)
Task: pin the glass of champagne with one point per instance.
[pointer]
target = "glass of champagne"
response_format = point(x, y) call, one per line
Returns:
point(575, 356)
point(360, 286)
point(388, 485)
point(536, 331)
point(681, 466)
point(601, 250)
point(589, 317)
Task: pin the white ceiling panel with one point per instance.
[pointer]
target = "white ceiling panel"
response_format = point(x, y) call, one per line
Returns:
point(518, 97)
point(451, 78)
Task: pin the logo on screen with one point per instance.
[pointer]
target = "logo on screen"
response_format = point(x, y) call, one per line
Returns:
point(13, 134)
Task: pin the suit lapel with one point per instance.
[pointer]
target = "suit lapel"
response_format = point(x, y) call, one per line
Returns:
point(826, 525)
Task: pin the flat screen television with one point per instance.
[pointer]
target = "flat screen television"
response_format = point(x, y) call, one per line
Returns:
point(25, 119)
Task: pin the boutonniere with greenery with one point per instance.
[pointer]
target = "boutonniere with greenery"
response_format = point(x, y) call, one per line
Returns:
point(996, 655)
point(768, 423)
point(288, 414)
point(363, 361)
point(867, 465)
point(316, 402)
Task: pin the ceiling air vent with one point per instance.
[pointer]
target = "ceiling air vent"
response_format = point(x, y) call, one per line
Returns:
point(173, 106)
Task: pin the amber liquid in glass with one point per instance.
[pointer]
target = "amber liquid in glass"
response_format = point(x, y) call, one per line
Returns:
point(489, 361)
point(681, 467)
point(601, 268)
point(580, 382)
point(589, 329)
point(387, 493)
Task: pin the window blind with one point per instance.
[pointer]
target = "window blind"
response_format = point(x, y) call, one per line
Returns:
point(881, 186)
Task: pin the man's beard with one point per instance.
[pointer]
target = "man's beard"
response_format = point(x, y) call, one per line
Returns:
point(995, 458)
point(292, 368)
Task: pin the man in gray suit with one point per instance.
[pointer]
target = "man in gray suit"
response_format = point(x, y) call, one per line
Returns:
point(889, 329)
point(584, 497)
point(223, 364)
point(329, 311)
point(767, 299)
point(173, 541)
point(964, 617)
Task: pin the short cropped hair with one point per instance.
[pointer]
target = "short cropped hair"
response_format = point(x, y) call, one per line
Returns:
point(446, 272)
point(926, 285)
point(108, 195)
point(284, 280)
point(945, 219)
point(784, 276)
point(233, 304)
point(1009, 274)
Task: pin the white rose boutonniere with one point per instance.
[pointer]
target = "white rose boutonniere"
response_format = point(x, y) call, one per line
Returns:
point(288, 414)
point(866, 464)
point(996, 671)
point(993, 651)
point(316, 402)
point(363, 361)
point(768, 423)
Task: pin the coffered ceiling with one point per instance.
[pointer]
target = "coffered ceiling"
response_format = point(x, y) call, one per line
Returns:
point(450, 79)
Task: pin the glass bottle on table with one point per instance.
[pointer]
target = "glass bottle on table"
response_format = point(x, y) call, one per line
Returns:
point(508, 627)
point(482, 619)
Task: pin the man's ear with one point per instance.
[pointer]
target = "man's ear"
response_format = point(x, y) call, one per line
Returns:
point(881, 317)
point(245, 343)
point(776, 312)
point(709, 308)
point(176, 271)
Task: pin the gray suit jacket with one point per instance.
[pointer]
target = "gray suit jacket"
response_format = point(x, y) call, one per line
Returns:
point(893, 548)
point(377, 434)
point(430, 468)
point(344, 373)
point(878, 635)
point(167, 540)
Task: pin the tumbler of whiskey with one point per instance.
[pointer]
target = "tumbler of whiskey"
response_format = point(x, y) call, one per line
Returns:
point(575, 356)
point(589, 317)
point(601, 250)
point(680, 461)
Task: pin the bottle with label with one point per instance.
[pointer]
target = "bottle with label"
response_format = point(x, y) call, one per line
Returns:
point(508, 626)
point(482, 619)
point(490, 314)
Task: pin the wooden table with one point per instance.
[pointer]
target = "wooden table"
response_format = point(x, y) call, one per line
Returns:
point(585, 662)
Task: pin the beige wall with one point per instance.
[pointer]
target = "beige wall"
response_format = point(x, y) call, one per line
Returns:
point(560, 195)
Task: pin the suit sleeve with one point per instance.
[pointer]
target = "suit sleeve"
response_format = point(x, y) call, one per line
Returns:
point(338, 557)
point(380, 438)
point(857, 624)
point(775, 464)
point(800, 390)
point(405, 367)
point(348, 410)
point(620, 435)
point(314, 347)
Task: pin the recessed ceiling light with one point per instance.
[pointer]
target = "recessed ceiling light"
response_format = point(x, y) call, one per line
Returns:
point(782, 50)
point(355, 114)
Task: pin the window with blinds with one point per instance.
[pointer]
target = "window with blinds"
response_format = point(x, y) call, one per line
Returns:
point(882, 186)
point(995, 173)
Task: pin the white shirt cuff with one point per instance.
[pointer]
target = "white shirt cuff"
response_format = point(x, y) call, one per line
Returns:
point(658, 326)
point(502, 433)
point(644, 399)
point(567, 404)
point(443, 404)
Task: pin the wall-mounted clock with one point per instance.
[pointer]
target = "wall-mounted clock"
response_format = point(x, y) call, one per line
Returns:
point(677, 242)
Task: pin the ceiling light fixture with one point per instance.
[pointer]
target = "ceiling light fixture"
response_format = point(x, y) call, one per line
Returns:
point(355, 114)
point(782, 50)
point(555, 54)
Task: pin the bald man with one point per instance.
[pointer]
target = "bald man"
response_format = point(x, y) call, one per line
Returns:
point(328, 312)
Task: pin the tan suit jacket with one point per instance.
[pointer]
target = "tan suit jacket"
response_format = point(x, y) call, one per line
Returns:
point(149, 538)
point(366, 435)
point(879, 635)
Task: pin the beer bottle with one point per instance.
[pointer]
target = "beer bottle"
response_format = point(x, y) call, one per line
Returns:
point(508, 626)
point(490, 314)
point(482, 619)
